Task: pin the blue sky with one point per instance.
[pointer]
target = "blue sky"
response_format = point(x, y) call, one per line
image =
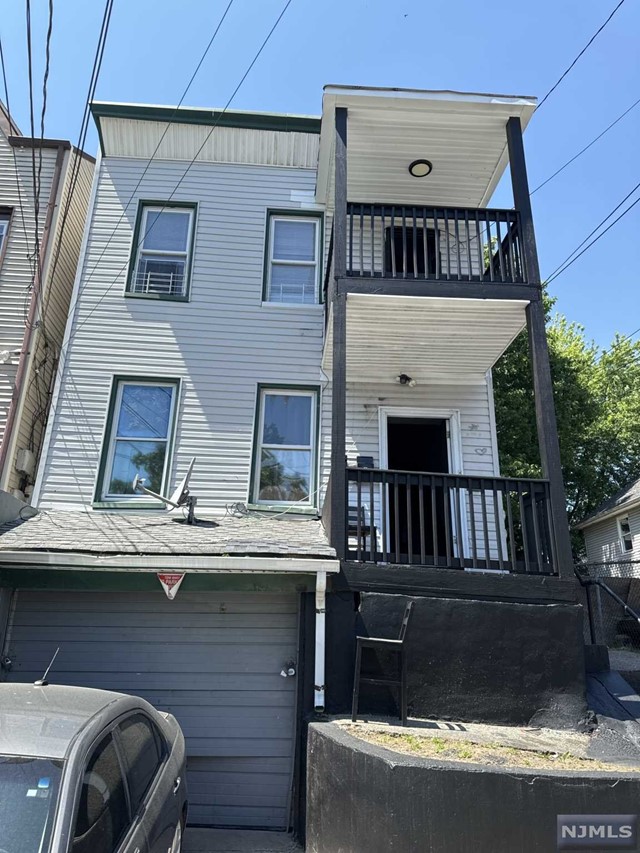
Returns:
point(518, 48)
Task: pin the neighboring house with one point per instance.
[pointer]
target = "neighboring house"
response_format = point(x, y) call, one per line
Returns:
point(44, 192)
point(311, 307)
point(612, 531)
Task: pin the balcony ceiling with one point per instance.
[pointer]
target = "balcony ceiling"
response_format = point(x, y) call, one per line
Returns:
point(462, 134)
point(430, 339)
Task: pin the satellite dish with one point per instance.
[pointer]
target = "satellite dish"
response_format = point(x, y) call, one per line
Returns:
point(180, 497)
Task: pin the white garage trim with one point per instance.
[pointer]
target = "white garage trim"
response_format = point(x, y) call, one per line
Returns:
point(158, 562)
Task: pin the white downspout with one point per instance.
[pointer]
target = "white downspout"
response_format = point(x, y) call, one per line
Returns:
point(321, 589)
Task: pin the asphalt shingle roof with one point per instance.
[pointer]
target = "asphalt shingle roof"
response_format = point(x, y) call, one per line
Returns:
point(630, 492)
point(258, 535)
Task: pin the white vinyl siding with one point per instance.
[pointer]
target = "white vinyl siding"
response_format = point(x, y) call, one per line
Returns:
point(604, 542)
point(221, 344)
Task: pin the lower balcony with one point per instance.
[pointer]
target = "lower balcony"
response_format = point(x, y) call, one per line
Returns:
point(449, 521)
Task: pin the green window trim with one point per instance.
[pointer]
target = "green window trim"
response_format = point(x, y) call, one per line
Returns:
point(274, 213)
point(137, 247)
point(100, 499)
point(311, 506)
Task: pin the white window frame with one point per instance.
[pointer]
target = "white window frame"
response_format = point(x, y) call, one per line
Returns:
point(624, 537)
point(312, 447)
point(182, 255)
point(120, 384)
point(280, 217)
point(5, 221)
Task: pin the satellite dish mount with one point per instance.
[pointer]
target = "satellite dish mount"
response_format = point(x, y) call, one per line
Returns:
point(180, 498)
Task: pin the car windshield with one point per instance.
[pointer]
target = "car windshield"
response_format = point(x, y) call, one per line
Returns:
point(28, 795)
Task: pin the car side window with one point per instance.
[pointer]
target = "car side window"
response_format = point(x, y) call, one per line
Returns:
point(103, 816)
point(142, 748)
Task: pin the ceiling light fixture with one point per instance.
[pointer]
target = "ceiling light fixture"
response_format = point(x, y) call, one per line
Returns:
point(420, 168)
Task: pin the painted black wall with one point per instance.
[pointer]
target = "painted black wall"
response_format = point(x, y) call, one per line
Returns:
point(468, 660)
point(364, 799)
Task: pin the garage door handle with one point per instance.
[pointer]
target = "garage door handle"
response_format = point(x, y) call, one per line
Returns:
point(176, 785)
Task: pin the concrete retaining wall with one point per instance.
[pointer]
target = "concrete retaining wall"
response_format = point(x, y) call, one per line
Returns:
point(365, 799)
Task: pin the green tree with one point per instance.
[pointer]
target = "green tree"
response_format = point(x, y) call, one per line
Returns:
point(597, 398)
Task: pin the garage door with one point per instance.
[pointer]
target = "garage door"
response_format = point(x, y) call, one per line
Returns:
point(213, 660)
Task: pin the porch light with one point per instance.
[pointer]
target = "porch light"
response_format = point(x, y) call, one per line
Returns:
point(420, 168)
point(403, 379)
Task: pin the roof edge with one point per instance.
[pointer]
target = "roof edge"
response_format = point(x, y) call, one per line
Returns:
point(607, 513)
point(428, 94)
point(284, 122)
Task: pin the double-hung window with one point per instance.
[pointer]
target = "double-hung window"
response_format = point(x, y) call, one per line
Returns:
point(624, 530)
point(285, 453)
point(5, 219)
point(162, 245)
point(293, 258)
point(138, 438)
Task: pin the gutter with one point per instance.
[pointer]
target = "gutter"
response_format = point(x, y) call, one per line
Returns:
point(168, 562)
point(607, 514)
point(30, 335)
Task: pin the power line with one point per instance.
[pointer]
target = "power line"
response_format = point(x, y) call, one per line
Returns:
point(595, 240)
point(583, 51)
point(586, 148)
point(84, 126)
point(591, 233)
point(182, 177)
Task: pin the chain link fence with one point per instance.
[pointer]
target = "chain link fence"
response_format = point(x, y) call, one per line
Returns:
point(611, 598)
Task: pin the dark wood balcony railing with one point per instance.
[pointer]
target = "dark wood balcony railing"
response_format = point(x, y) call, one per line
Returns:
point(434, 243)
point(450, 521)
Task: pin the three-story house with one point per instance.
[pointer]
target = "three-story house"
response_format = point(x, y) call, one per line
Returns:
point(310, 307)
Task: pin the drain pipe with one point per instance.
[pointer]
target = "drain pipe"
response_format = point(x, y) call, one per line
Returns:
point(321, 590)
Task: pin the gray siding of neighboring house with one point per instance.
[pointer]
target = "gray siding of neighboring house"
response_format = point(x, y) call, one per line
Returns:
point(58, 274)
point(16, 269)
point(603, 543)
point(221, 343)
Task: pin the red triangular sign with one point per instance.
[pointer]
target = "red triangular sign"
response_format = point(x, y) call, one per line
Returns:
point(171, 583)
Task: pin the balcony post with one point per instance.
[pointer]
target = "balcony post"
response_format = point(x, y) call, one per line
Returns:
point(339, 368)
point(542, 382)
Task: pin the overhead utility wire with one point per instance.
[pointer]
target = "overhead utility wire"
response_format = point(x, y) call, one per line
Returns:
point(591, 233)
point(183, 176)
point(565, 266)
point(586, 147)
point(582, 52)
point(84, 126)
point(157, 148)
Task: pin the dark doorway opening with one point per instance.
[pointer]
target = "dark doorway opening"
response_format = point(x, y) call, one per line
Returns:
point(407, 253)
point(419, 521)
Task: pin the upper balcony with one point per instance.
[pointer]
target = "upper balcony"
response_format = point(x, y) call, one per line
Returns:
point(419, 170)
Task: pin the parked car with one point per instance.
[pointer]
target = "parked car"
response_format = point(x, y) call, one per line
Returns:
point(88, 771)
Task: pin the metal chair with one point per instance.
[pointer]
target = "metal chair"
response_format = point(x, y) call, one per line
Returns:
point(396, 646)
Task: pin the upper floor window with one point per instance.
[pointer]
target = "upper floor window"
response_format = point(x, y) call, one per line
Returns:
point(5, 219)
point(162, 249)
point(285, 455)
point(293, 258)
point(139, 431)
point(624, 531)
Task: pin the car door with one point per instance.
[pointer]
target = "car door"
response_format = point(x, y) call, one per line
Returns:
point(151, 786)
point(103, 818)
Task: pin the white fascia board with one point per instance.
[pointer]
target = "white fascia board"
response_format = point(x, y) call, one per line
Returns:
point(428, 95)
point(162, 562)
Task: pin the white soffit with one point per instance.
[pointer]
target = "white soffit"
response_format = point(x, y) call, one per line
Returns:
point(462, 134)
